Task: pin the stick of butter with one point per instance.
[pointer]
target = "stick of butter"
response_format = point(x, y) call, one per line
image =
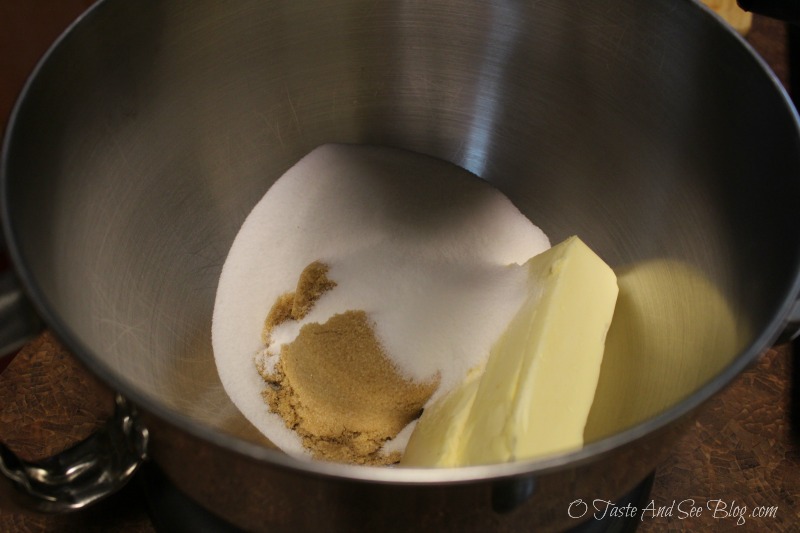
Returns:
point(537, 388)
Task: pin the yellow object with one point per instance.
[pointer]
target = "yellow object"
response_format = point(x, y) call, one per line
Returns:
point(436, 440)
point(535, 393)
point(731, 13)
point(673, 331)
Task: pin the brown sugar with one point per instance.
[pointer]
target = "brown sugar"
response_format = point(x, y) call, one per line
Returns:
point(312, 284)
point(334, 385)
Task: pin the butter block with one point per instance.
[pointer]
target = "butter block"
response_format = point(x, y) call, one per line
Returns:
point(437, 440)
point(535, 392)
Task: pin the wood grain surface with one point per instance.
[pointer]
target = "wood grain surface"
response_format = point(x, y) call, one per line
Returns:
point(740, 451)
point(740, 457)
point(48, 402)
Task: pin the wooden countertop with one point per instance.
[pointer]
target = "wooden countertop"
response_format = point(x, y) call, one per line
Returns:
point(739, 453)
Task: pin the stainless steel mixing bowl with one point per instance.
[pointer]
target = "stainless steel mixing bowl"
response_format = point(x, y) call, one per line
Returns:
point(151, 128)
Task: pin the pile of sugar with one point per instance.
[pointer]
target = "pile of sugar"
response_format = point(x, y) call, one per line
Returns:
point(431, 253)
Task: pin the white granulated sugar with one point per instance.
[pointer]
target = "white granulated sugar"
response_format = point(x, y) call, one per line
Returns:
point(429, 251)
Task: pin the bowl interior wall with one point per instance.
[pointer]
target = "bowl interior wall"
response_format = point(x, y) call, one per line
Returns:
point(648, 131)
